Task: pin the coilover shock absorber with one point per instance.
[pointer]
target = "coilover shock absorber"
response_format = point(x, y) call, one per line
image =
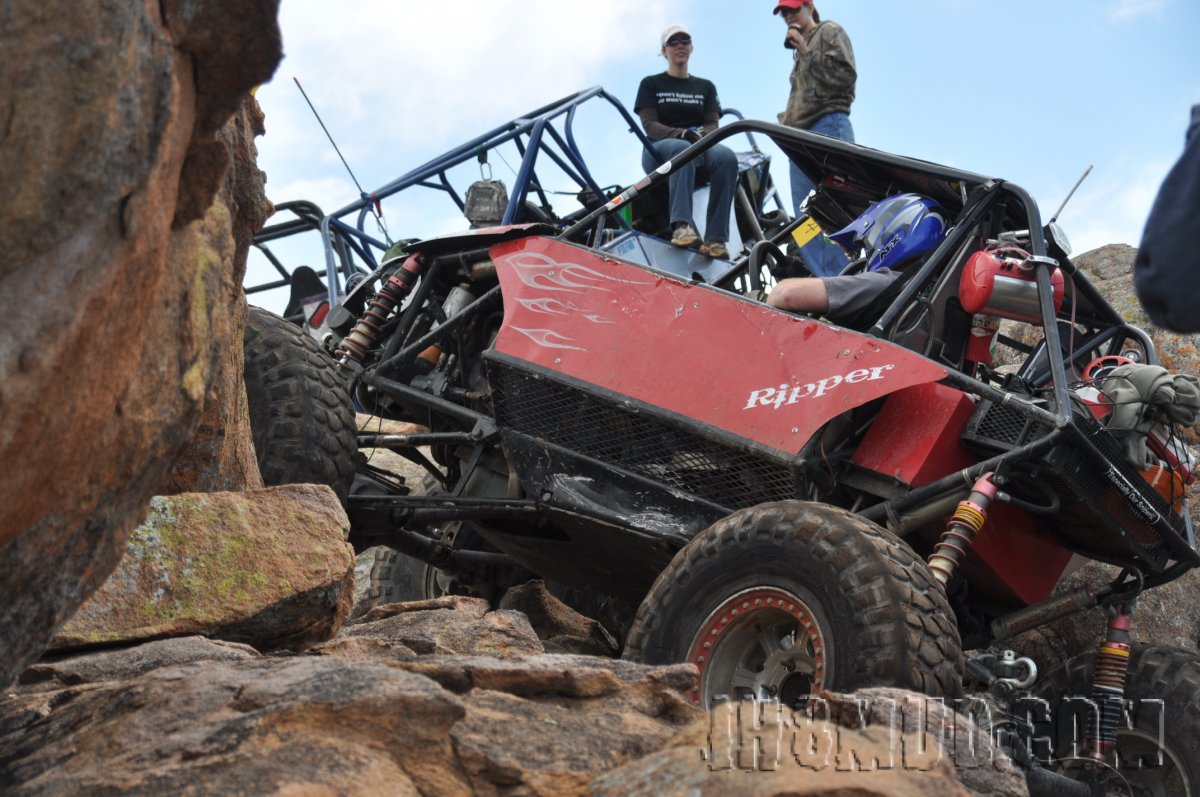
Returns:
point(365, 334)
point(968, 519)
point(1108, 684)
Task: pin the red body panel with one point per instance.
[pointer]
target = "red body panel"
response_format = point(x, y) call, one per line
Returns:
point(915, 437)
point(738, 365)
point(915, 440)
point(1011, 555)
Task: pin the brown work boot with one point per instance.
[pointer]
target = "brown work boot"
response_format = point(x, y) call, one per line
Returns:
point(684, 235)
point(715, 249)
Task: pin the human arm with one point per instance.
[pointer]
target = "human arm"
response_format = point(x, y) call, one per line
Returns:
point(839, 297)
point(655, 129)
point(833, 57)
point(800, 295)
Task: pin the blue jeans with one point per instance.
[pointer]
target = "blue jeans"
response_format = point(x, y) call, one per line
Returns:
point(820, 255)
point(721, 165)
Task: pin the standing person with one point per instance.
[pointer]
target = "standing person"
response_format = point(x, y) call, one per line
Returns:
point(1166, 272)
point(823, 78)
point(676, 109)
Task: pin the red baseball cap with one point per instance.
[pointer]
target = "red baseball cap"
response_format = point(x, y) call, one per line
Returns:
point(791, 4)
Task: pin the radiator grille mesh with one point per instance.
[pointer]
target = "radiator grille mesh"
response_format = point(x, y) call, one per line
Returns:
point(625, 436)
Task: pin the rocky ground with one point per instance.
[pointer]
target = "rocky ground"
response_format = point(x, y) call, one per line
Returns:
point(446, 697)
point(170, 626)
point(237, 648)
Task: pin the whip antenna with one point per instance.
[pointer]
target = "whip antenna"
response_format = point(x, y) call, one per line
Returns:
point(1070, 194)
point(376, 210)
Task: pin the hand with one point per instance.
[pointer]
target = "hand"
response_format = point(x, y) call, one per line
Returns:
point(692, 135)
point(795, 39)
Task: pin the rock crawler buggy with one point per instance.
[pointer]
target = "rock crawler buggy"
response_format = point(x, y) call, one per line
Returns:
point(787, 504)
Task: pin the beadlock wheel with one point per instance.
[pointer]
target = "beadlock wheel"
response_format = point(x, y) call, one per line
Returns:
point(784, 599)
point(765, 643)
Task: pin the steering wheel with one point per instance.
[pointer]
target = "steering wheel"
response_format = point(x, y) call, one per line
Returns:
point(854, 267)
point(763, 253)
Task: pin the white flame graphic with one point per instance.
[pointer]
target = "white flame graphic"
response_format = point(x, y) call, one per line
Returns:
point(548, 338)
point(538, 271)
point(548, 306)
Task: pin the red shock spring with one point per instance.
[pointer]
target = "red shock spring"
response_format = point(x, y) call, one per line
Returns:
point(968, 519)
point(354, 347)
point(1108, 685)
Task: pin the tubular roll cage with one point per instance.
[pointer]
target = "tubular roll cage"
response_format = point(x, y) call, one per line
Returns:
point(548, 131)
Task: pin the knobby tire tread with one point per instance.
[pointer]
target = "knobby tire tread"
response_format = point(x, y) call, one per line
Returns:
point(301, 415)
point(919, 650)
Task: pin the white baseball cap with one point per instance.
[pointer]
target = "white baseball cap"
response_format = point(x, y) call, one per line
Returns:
point(671, 31)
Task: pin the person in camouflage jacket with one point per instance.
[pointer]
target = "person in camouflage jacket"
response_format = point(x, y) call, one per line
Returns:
point(823, 78)
point(823, 72)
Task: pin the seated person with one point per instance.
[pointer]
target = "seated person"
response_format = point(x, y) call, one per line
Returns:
point(892, 233)
point(676, 109)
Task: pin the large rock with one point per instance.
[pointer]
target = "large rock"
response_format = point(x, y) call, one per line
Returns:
point(545, 726)
point(220, 456)
point(442, 626)
point(115, 285)
point(875, 743)
point(295, 726)
point(269, 568)
point(561, 628)
point(123, 664)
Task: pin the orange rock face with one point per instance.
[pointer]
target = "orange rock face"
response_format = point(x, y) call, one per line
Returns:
point(118, 275)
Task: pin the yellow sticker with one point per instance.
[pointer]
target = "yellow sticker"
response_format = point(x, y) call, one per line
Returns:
point(808, 230)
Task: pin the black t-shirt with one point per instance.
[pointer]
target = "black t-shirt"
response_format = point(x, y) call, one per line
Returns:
point(680, 102)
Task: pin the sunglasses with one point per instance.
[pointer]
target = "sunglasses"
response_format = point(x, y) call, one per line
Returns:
point(682, 41)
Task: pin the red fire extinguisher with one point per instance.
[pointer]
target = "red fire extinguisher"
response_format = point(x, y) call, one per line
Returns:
point(983, 332)
point(995, 285)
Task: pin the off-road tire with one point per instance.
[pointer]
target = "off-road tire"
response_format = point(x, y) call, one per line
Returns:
point(395, 577)
point(1156, 673)
point(301, 416)
point(888, 621)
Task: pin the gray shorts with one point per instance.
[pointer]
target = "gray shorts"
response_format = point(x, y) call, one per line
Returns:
point(853, 292)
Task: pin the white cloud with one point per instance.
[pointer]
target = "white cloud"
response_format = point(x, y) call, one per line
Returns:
point(398, 83)
point(1125, 10)
point(421, 71)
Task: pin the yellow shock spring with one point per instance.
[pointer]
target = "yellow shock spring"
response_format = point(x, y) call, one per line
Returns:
point(966, 522)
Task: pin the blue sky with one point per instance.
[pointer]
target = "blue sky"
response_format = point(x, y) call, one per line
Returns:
point(1032, 92)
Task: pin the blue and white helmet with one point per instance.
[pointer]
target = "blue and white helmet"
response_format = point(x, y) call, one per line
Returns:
point(895, 230)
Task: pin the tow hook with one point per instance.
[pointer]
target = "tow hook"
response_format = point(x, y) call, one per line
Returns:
point(1009, 661)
